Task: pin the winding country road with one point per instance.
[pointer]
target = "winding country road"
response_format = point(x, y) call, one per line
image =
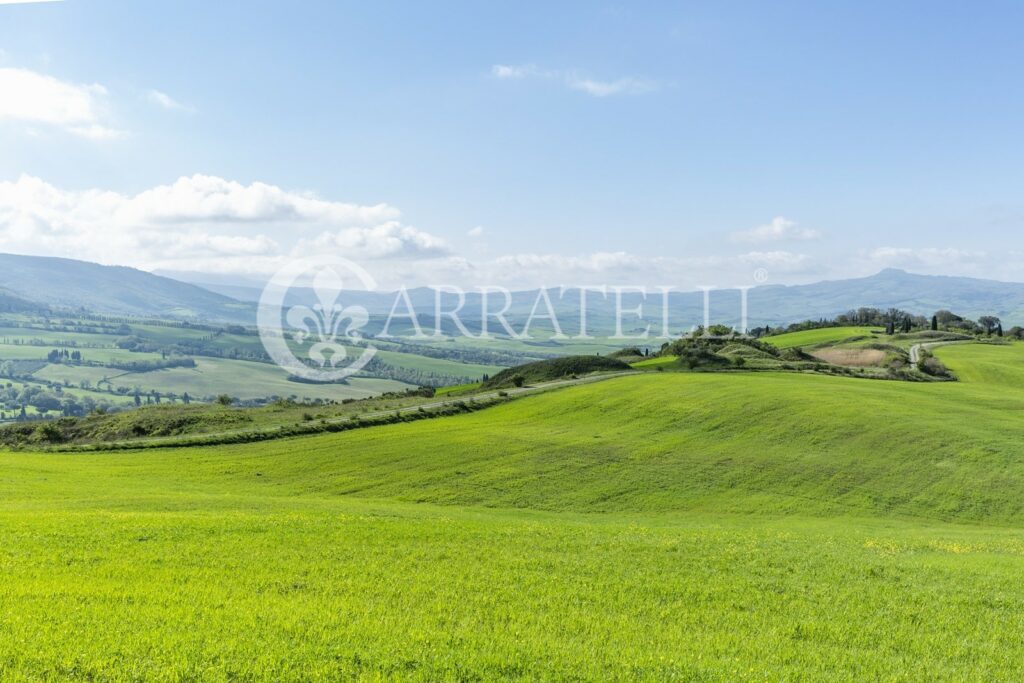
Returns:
point(915, 350)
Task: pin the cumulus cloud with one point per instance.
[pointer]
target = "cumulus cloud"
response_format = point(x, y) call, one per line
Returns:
point(478, 231)
point(162, 99)
point(203, 198)
point(211, 224)
point(34, 98)
point(574, 80)
point(390, 239)
point(779, 229)
point(198, 222)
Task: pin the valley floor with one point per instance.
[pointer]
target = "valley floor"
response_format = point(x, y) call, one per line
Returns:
point(656, 527)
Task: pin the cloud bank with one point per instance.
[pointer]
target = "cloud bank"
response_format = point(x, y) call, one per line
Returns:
point(198, 223)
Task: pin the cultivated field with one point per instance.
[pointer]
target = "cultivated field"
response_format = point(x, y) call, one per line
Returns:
point(665, 525)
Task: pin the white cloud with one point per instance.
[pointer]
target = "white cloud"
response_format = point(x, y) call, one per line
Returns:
point(197, 222)
point(203, 198)
point(388, 240)
point(925, 257)
point(621, 86)
point(210, 224)
point(508, 71)
point(779, 260)
point(478, 231)
point(574, 80)
point(529, 270)
point(35, 98)
point(162, 99)
point(778, 230)
point(598, 262)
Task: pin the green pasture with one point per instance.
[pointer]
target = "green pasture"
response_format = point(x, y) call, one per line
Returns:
point(827, 335)
point(657, 526)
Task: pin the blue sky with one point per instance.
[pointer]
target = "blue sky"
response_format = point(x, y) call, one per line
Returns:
point(517, 141)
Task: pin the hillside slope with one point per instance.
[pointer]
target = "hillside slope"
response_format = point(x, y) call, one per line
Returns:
point(66, 283)
point(784, 443)
point(750, 443)
point(392, 553)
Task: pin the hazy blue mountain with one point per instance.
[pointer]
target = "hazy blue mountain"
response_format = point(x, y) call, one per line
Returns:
point(923, 294)
point(12, 303)
point(66, 283)
point(772, 304)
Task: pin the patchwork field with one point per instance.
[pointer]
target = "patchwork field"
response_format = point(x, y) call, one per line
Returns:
point(666, 525)
point(215, 376)
point(227, 362)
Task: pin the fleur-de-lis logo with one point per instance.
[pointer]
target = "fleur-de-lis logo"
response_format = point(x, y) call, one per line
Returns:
point(323, 322)
point(327, 333)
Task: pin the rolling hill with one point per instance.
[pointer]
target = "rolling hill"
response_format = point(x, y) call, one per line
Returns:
point(648, 527)
point(67, 283)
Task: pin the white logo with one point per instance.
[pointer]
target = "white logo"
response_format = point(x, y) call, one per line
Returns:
point(321, 342)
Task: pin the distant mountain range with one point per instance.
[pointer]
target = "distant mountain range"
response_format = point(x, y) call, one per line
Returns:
point(892, 288)
point(58, 283)
point(31, 281)
point(769, 304)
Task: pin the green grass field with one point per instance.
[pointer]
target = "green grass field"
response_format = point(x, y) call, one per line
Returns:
point(655, 362)
point(827, 335)
point(215, 376)
point(714, 527)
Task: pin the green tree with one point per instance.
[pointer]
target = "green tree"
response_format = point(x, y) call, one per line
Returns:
point(989, 323)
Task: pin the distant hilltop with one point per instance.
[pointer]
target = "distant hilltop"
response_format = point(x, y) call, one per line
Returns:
point(34, 282)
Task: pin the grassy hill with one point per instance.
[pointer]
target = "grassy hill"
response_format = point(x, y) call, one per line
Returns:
point(648, 527)
point(556, 368)
point(826, 335)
